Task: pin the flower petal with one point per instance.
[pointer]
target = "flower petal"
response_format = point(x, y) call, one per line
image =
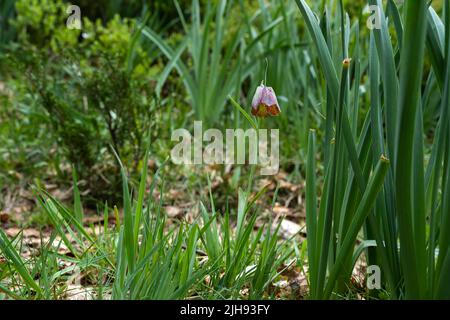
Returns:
point(273, 110)
point(265, 102)
point(257, 98)
point(269, 98)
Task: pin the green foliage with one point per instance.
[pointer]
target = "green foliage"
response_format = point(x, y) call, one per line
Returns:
point(141, 259)
point(37, 21)
point(72, 103)
point(83, 88)
point(216, 69)
point(7, 14)
point(405, 215)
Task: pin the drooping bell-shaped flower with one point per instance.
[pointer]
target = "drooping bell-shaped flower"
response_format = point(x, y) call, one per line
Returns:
point(265, 103)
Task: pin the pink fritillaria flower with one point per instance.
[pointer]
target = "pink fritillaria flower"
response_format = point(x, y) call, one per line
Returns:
point(265, 102)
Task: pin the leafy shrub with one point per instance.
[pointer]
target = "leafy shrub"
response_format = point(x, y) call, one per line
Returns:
point(39, 22)
point(91, 95)
point(6, 14)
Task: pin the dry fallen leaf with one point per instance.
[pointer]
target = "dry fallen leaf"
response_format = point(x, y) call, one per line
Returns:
point(283, 184)
point(279, 210)
point(173, 212)
point(174, 194)
point(4, 217)
point(78, 292)
point(289, 228)
point(27, 233)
